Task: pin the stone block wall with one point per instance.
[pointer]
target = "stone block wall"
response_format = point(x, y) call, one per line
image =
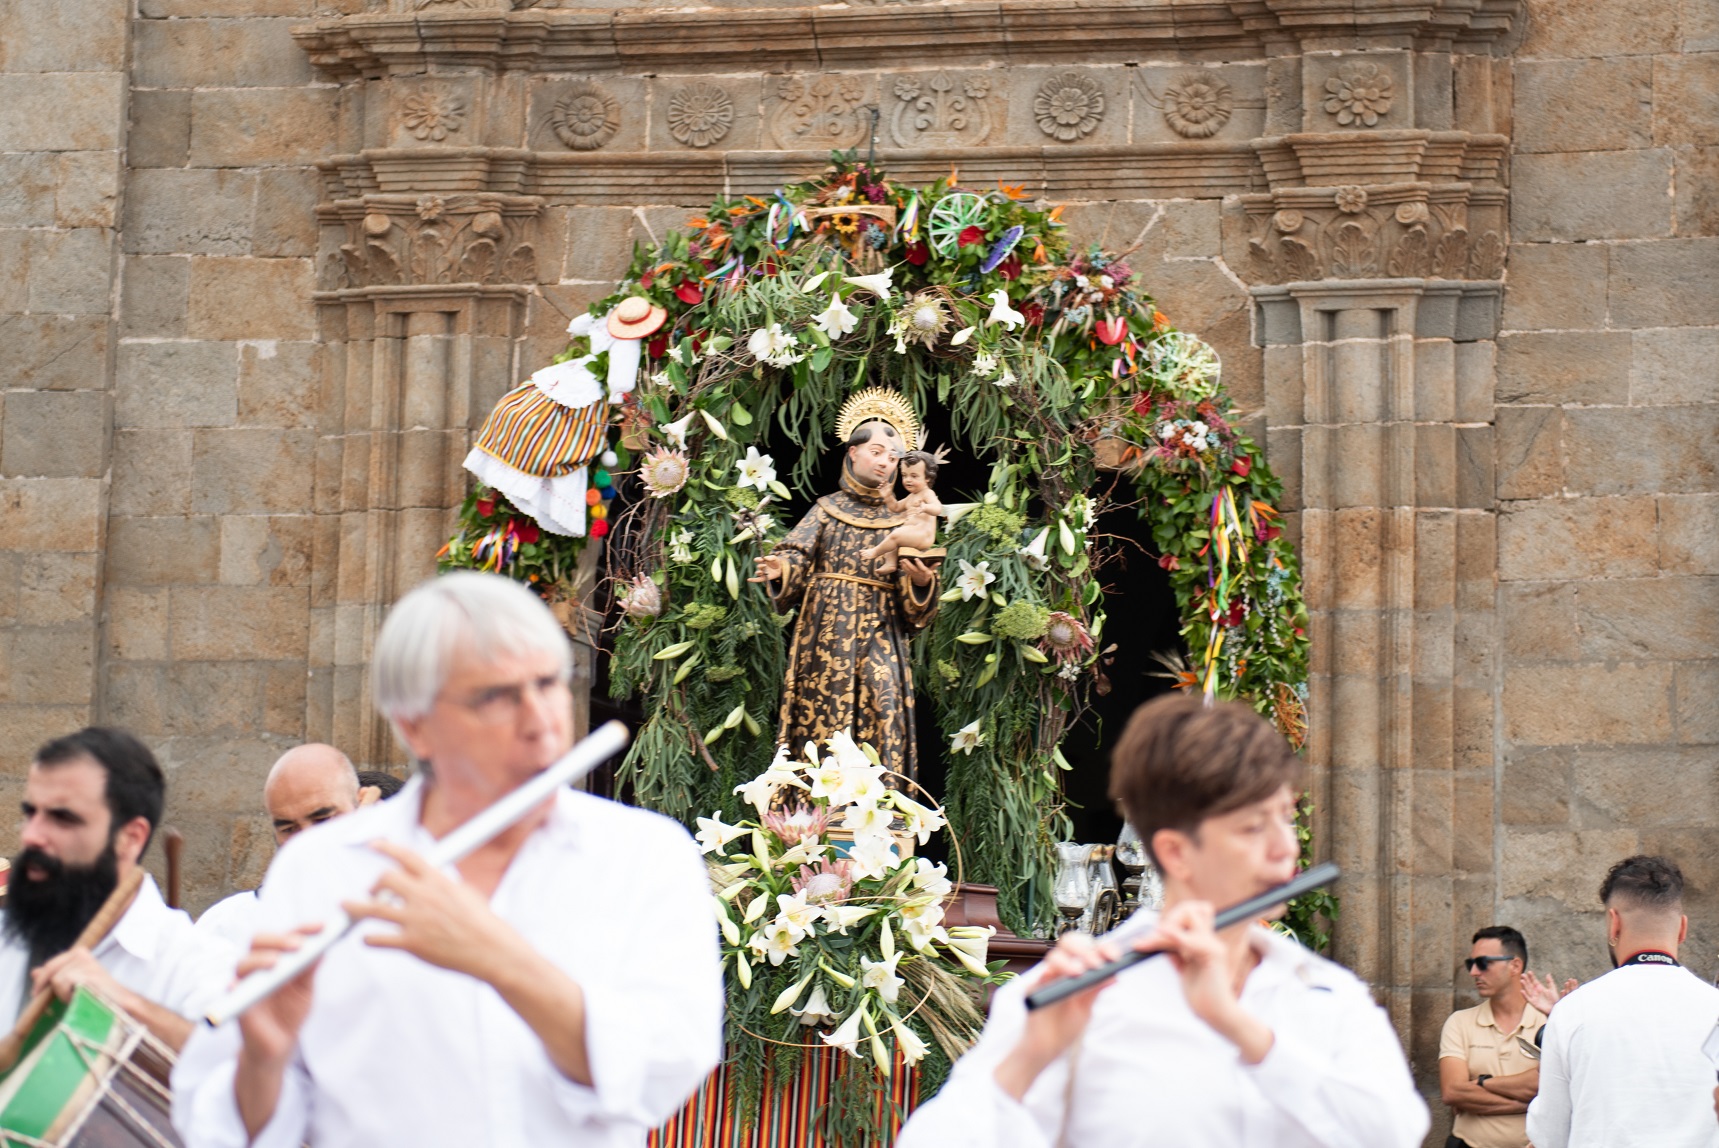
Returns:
point(1608, 471)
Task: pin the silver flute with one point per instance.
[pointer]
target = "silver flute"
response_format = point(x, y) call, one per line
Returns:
point(603, 743)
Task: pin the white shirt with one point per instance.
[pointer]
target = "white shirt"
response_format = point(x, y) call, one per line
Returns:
point(233, 919)
point(154, 951)
point(1622, 1064)
point(1148, 1073)
point(398, 1052)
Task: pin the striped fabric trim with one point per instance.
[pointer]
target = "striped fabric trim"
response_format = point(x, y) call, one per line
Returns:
point(533, 433)
point(788, 1117)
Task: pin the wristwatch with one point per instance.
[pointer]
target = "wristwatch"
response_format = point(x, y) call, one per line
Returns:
point(1482, 1079)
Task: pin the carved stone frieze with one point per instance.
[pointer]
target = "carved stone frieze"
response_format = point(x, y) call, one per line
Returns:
point(939, 109)
point(424, 240)
point(1393, 231)
point(1068, 106)
point(828, 111)
point(699, 114)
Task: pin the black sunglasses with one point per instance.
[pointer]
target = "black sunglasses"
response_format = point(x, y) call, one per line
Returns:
point(1483, 963)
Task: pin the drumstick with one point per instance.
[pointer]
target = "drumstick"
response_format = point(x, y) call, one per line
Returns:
point(1314, 878)
point(173, 845)
point(603, 743)
point(100, 925)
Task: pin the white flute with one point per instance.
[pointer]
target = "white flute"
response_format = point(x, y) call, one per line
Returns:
point(603, 743)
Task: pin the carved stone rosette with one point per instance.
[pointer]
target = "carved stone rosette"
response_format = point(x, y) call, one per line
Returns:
point(1398, 205)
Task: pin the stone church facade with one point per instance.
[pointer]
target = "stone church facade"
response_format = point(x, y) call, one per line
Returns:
point(264, 264)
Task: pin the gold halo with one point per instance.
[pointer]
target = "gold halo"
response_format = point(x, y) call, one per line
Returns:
point(884, 404)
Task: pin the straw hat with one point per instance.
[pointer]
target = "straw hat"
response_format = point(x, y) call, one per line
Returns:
point(635, 317)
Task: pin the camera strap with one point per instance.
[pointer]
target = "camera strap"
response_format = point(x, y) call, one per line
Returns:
point(1649, 957)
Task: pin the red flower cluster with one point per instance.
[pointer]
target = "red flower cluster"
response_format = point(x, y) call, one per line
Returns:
point(971, 235)
point(526, 530)
point(1010, 268)
point(918, 254)
point(689, 293)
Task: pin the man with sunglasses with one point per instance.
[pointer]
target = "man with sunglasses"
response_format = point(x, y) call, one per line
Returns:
point(1486, 1073)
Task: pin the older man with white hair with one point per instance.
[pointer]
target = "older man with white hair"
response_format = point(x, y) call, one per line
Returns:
point(559, 986)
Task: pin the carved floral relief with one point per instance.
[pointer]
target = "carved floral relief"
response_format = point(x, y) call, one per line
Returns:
point(1351, 237)
point(1196, 104)
point(1361, 93)
point(939, 110)
point(432, 114)
point(1068, 105)
point(821, 112)
point(585, 117)
point(700, 114)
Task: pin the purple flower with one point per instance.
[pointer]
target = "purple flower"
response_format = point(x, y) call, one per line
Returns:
point(1004, 245)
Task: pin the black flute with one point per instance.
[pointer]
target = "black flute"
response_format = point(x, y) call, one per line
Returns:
point(1314, 878)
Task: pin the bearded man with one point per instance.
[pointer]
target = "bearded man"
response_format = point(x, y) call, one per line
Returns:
point(91, 804)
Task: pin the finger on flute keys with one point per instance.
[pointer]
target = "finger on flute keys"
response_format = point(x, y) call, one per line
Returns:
point(268, 948)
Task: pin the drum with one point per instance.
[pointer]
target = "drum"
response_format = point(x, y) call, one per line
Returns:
point(90, 1077)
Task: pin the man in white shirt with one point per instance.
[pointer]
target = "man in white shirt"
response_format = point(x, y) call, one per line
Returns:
point(1622, 1063)
point(1240, 1038)
point(307, 785)
point(559, 986)
point(91, 803)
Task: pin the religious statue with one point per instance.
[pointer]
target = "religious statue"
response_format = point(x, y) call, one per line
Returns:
point(916, 537)
point(849, 666)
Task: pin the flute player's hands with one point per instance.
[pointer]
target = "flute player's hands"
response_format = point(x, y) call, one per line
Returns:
point(1051, 1029)
point(269, 1029)
point(442, 921)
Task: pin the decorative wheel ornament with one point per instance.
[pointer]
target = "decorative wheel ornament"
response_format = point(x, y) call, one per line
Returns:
point(954, 214)
point(1185, 364)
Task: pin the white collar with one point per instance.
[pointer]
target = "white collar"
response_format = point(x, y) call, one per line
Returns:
point(139, 931)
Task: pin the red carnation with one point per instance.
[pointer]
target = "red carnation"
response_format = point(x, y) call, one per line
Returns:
point(689, 293)
point(485, 507)
point(1242, 465)
point(876, 192)
point(1010, 268)
point(526, 529)
point(1034, 313)
point(918, 254)
point(972, 234)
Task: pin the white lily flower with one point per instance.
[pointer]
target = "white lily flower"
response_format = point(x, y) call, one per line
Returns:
point(805, 853)
point(1034, 552)
point(927, 909)
point(675, 432)
point(713, 836)
point(777, 941)
point(839, 918)
point(789, 995)
point(756, 470)
point(932, 879)
point(878, 284)
point(967, 738)
point(755, 908)
point(861, 785)
point(1008, 377)
point(879, 976)
point(921, 933)
point(1002, 313)
point(796, 912)
point(968, 944)
point(974, 579)
point(835, 320)
point(716, 428)
point(913, 1049)
point(847, 751)
point(743, 970)
point(816, 1010)
point(847, 1037)
point(811, 284)
point(758, 792)
point(984, 363)
point(863, 817)
point(773, 345)
point(962, 336)
point(873, 857)
point(730, 931)
point(826, 780)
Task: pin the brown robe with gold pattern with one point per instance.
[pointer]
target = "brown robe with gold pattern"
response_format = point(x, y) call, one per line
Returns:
point(849, 667)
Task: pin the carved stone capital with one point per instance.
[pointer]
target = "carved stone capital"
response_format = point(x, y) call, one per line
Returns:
point(432, 240)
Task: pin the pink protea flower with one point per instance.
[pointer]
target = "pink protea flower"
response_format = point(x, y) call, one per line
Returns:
point(802, 823)
point(829, 883)
point(1066, 638)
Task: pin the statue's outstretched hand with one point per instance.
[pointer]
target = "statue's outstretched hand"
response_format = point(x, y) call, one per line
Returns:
point(918, 571)
point(770, 568)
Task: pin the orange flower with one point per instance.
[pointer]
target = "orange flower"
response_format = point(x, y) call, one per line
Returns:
point(1015, 191)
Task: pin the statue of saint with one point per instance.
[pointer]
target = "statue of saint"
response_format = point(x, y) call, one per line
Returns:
point(849, 666)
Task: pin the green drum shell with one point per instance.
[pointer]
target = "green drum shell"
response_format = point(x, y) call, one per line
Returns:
point(67, 1058)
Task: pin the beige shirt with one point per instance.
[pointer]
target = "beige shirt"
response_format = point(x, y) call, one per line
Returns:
point(1473, 1037)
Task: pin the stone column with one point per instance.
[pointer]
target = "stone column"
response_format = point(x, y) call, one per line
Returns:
point(1377, 255)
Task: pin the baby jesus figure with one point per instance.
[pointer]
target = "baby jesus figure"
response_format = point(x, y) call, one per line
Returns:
point(918, 471)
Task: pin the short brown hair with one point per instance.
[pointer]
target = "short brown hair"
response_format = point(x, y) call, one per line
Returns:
point(1181, 761)
point(1643, 882)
